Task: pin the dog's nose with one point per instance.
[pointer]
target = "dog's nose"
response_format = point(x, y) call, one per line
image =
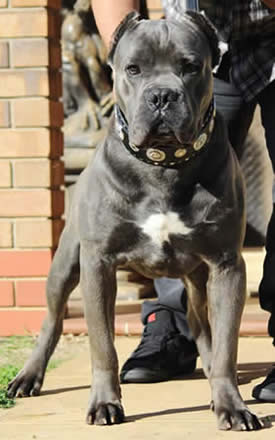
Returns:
point(160, 98)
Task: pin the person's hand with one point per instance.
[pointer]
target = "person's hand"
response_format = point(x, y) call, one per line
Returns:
point(269, 3)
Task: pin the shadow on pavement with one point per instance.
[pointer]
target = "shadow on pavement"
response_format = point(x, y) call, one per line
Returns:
point(250, 371)
point(266, 420)
point(64, 390)
point(246, 372)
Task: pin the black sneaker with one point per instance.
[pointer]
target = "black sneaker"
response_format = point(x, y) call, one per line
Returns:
point(265, 391)
point(162, 353)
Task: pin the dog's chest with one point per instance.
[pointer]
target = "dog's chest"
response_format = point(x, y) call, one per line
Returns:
point(165, 248)
point(160, 227)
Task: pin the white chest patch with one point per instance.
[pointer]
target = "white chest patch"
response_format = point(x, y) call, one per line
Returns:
point(159, 226)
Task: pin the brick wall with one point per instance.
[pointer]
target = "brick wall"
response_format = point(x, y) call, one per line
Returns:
point(155, 9)
point(31, 143)
point(31, 172)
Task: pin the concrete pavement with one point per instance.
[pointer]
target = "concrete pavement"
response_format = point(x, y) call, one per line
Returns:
point(178, 409)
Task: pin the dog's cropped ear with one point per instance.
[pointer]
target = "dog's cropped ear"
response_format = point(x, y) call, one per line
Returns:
point(128, 23)
point(210, 32)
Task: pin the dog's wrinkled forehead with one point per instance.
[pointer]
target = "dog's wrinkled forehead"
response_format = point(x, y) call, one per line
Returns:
point(192, 31)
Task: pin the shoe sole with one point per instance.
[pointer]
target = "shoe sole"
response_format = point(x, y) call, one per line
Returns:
point(264, 395)
point(144, 375)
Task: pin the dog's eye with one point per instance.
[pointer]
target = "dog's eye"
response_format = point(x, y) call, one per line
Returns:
point(189, 67)
point(133, 69)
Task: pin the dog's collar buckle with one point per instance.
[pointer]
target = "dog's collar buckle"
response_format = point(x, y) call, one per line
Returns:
point(172, 157)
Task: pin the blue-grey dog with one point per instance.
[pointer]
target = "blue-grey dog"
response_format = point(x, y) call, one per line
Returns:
point(164, 195)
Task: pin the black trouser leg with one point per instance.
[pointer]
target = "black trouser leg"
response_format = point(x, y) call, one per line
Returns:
point(266, 99)
point(237, 114)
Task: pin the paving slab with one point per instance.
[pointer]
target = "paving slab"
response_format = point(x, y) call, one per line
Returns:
point(177, 409)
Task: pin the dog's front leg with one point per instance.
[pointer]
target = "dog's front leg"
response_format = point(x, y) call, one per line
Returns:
point(226, 291)
point(98, 284)
point(197, 315)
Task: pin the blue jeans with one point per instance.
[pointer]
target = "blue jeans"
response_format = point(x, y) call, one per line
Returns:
point(238, 116)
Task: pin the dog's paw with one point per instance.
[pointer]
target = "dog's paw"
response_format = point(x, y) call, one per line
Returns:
point(105, 414)
point(25, 384)
point(238, 420)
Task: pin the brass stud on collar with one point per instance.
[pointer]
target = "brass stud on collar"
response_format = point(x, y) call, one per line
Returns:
point(181, 152)
point(211, 125)
point(134, 147)
point(155, 155)
point(200, 142)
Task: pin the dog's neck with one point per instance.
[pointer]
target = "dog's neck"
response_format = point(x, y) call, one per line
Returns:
point(172, 156)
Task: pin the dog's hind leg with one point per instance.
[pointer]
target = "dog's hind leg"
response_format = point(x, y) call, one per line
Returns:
point(98, 285)
point(63, 277)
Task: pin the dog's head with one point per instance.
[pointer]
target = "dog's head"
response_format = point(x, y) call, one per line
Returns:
point(163, 76)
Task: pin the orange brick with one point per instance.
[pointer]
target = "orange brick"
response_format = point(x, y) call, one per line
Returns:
point(31, 173)
point(37, 112)
point(35, 52)
point(35, 3)
point(21, 321)
point(5, 234)
point(55, 84)
point(6, 294)
point(38, 173)
point(30, 293)
point(56, 57)
point(4, 114)
point(156, 15)
point(57, 142)
point(57, 173)
point(25, 263)
point(5, 173)
point(28, 23)
point(57, 203)
point(14, 83)
point(40, 142)
point(37, 233)
point(4, 54)
point(31, 203)
point(154, 4)
point(29, 52)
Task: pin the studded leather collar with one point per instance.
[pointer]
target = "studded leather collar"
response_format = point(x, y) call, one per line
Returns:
point(172, 156)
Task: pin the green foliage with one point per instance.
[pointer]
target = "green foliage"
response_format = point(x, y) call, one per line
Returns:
point(7, 373)
point(13, 352)
point(16, 343)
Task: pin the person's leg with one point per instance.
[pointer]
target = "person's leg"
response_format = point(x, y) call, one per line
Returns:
point(237, 114)
point(266, 390)
point(267, 287)
point(166, 348)
point(172, 296)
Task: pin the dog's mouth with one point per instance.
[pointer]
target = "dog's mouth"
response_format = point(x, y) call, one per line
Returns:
point(164, 135)
point(166, 141)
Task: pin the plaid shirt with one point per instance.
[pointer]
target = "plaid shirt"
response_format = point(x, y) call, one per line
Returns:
point(248, 26)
